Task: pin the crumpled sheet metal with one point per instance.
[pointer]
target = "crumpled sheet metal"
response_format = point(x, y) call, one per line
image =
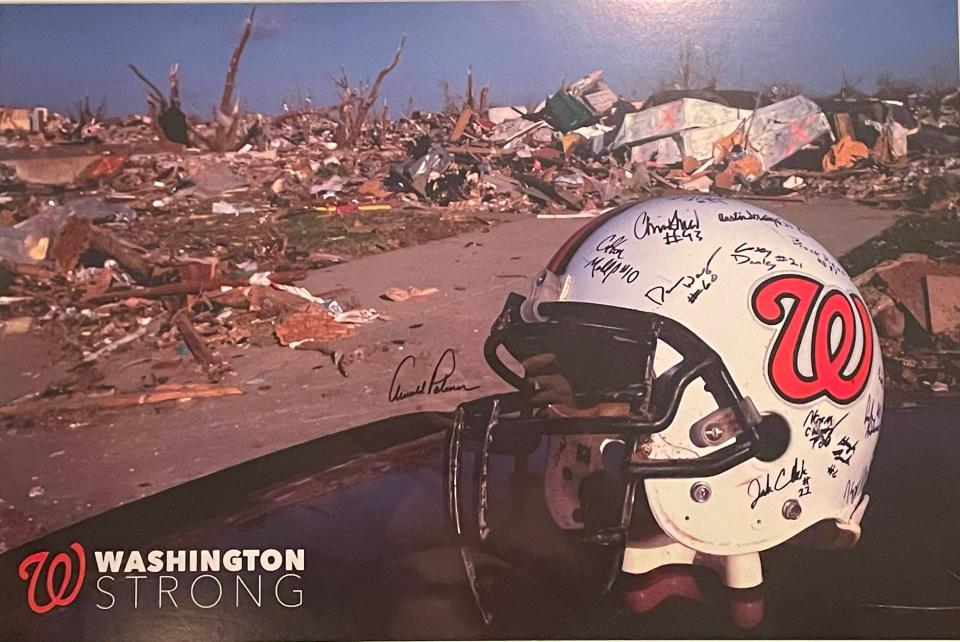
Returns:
point(673, 117)
point(699, 143)
point(778, 131)
point(662, 151)
point(418, 172)
point(29, 240)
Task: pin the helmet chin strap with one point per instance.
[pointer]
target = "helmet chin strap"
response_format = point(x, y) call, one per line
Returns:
point(736, 571)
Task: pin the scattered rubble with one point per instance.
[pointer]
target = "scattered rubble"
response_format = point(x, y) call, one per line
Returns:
point(584, 147)
point(915, 301)
point(178, 234)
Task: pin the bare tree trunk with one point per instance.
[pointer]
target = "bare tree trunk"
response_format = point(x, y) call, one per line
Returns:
point(383, 122)
point(367, 102)
point(470, 87)
point(172, 121)
point(227, 97)
point(174, 77)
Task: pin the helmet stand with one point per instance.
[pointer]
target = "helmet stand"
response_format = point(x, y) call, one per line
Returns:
point(736, 571)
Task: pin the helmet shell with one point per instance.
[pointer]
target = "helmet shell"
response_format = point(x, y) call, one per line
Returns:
point(790, 327)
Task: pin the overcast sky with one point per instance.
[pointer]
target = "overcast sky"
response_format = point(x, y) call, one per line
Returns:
point(51, 55)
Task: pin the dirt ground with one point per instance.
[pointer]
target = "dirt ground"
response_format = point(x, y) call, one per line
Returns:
point(62, 468)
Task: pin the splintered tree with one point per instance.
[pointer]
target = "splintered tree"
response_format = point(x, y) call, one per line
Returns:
point(454, 103)
point(465, 109)
point(166, 112)
point(887, 82)
point(84, 115)
point(229, 133)
point(693, 68)
point(227, 136)
point(356, 102)
point(850, 86)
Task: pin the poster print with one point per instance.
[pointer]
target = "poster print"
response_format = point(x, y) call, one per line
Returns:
point(470, 320)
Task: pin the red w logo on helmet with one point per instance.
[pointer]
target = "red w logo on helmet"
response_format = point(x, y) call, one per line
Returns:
point(836, 372)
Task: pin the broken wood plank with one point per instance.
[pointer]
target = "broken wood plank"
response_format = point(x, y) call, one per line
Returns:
point(194, 287)
point(473, 149)
point(25, 269)
point(122, 400)
point(194, 341)
point(664, 182)
point(462, 121)
point(133, 262)
point(844, 125)
point(831, 176)
point(540, 189)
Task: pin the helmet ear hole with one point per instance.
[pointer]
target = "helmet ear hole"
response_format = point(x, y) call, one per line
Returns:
point(774, 433)
point(601, 499)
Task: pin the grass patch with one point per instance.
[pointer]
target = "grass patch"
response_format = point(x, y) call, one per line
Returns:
point(371, 233)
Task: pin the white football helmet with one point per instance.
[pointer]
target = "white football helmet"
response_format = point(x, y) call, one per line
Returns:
point(693, 359)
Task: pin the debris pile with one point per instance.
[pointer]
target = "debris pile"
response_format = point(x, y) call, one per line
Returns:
point(175, 232)
point(72, 270)
point(65, 267)
point(915, 303)
point(584, 147)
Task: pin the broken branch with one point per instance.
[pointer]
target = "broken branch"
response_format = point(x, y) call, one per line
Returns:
point(156, 94)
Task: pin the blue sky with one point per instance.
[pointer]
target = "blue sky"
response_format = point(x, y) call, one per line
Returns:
point(52, 55)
